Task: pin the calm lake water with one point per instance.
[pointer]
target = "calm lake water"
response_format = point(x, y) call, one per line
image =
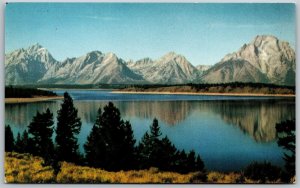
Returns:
point(228, 132)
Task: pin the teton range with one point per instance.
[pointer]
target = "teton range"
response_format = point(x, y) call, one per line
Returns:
point(266, 59)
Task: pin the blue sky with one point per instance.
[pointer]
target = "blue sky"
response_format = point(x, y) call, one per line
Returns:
point(203, 33)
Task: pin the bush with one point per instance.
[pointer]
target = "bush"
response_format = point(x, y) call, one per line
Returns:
point(262, 172)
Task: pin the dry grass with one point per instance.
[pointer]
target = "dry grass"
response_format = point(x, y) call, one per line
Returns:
point(33, 99)
point(233, 177)
point(77, 174)
point(24, 168)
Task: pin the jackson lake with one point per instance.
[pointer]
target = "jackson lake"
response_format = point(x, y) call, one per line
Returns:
point(229, 132)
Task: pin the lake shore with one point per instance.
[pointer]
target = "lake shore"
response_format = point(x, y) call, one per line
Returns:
point(81, 89)
point(33, 99)
point(202, 93)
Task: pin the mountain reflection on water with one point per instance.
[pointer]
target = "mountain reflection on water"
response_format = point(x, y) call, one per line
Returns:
point(256, 118)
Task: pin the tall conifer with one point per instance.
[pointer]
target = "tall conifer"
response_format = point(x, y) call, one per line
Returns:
point(68, 126)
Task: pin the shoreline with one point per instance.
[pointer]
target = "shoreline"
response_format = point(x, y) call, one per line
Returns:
point(206, 94)
point(29, 100)
point(91, 89)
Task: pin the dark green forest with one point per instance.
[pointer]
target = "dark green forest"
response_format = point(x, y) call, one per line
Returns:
point(147, 86)
point(19, 92)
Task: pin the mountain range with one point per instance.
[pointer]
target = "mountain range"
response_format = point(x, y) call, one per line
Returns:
point(266, 59)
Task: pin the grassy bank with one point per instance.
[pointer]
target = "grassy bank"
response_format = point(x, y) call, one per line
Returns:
point(25, 168)
point(33, 99)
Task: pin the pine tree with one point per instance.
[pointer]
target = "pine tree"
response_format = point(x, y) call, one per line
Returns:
point(199, 166)
point(95, 145)
point(68, 126)
point(181, 161)
point(167, 154)
point(128, 148)
point(19, 144)
point(110, 144)
point(24, 143)
point(41, 130)
point(191, 161)
point(161, 153)
point(155, 144)
point(144, 150)
point(152, 148)
point(9, 139)
point(155, 129)
point(286, 138)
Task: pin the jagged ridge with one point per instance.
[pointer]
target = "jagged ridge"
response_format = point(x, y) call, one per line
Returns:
point(266, 59)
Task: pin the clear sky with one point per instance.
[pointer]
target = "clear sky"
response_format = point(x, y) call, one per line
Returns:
point(203, 33)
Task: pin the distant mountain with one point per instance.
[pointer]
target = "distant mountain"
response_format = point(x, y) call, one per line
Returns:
point(266, 59)
point(27, 66)
point(94, 67)
point(172, 68)
point(202, 68)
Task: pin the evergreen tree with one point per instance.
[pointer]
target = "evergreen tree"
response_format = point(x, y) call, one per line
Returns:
point(191, 161)
point(24, 143)
point(9, 139)
point(199, 166)
point(110, 144)
point(155, 144)
point(156, 152)
point(286, 138)
point(181, 162)
point(41, 130)
point(95, 145)
point(155, 129)
point(167, 154)
point(161, 153)
point(19, 144)
point(128, 148)
point(68, 126)
point(144, 150)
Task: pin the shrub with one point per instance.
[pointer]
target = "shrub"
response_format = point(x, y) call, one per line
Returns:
point(262, 172)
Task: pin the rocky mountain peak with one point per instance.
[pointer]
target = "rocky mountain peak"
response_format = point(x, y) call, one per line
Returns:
point(266, 55)
point(94, 53)
point(171, 56)
point(35, 48)
point(261, 38)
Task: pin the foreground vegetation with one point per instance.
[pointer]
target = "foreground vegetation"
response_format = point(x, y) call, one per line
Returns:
point(25, 168)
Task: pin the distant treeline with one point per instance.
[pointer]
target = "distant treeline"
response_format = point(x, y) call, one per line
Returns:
point(194, 86)
point(241, 84)
point(235, 87)
point(206, 85)
point(16, 92)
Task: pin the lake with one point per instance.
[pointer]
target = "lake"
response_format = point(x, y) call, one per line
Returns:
point(228, 132)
